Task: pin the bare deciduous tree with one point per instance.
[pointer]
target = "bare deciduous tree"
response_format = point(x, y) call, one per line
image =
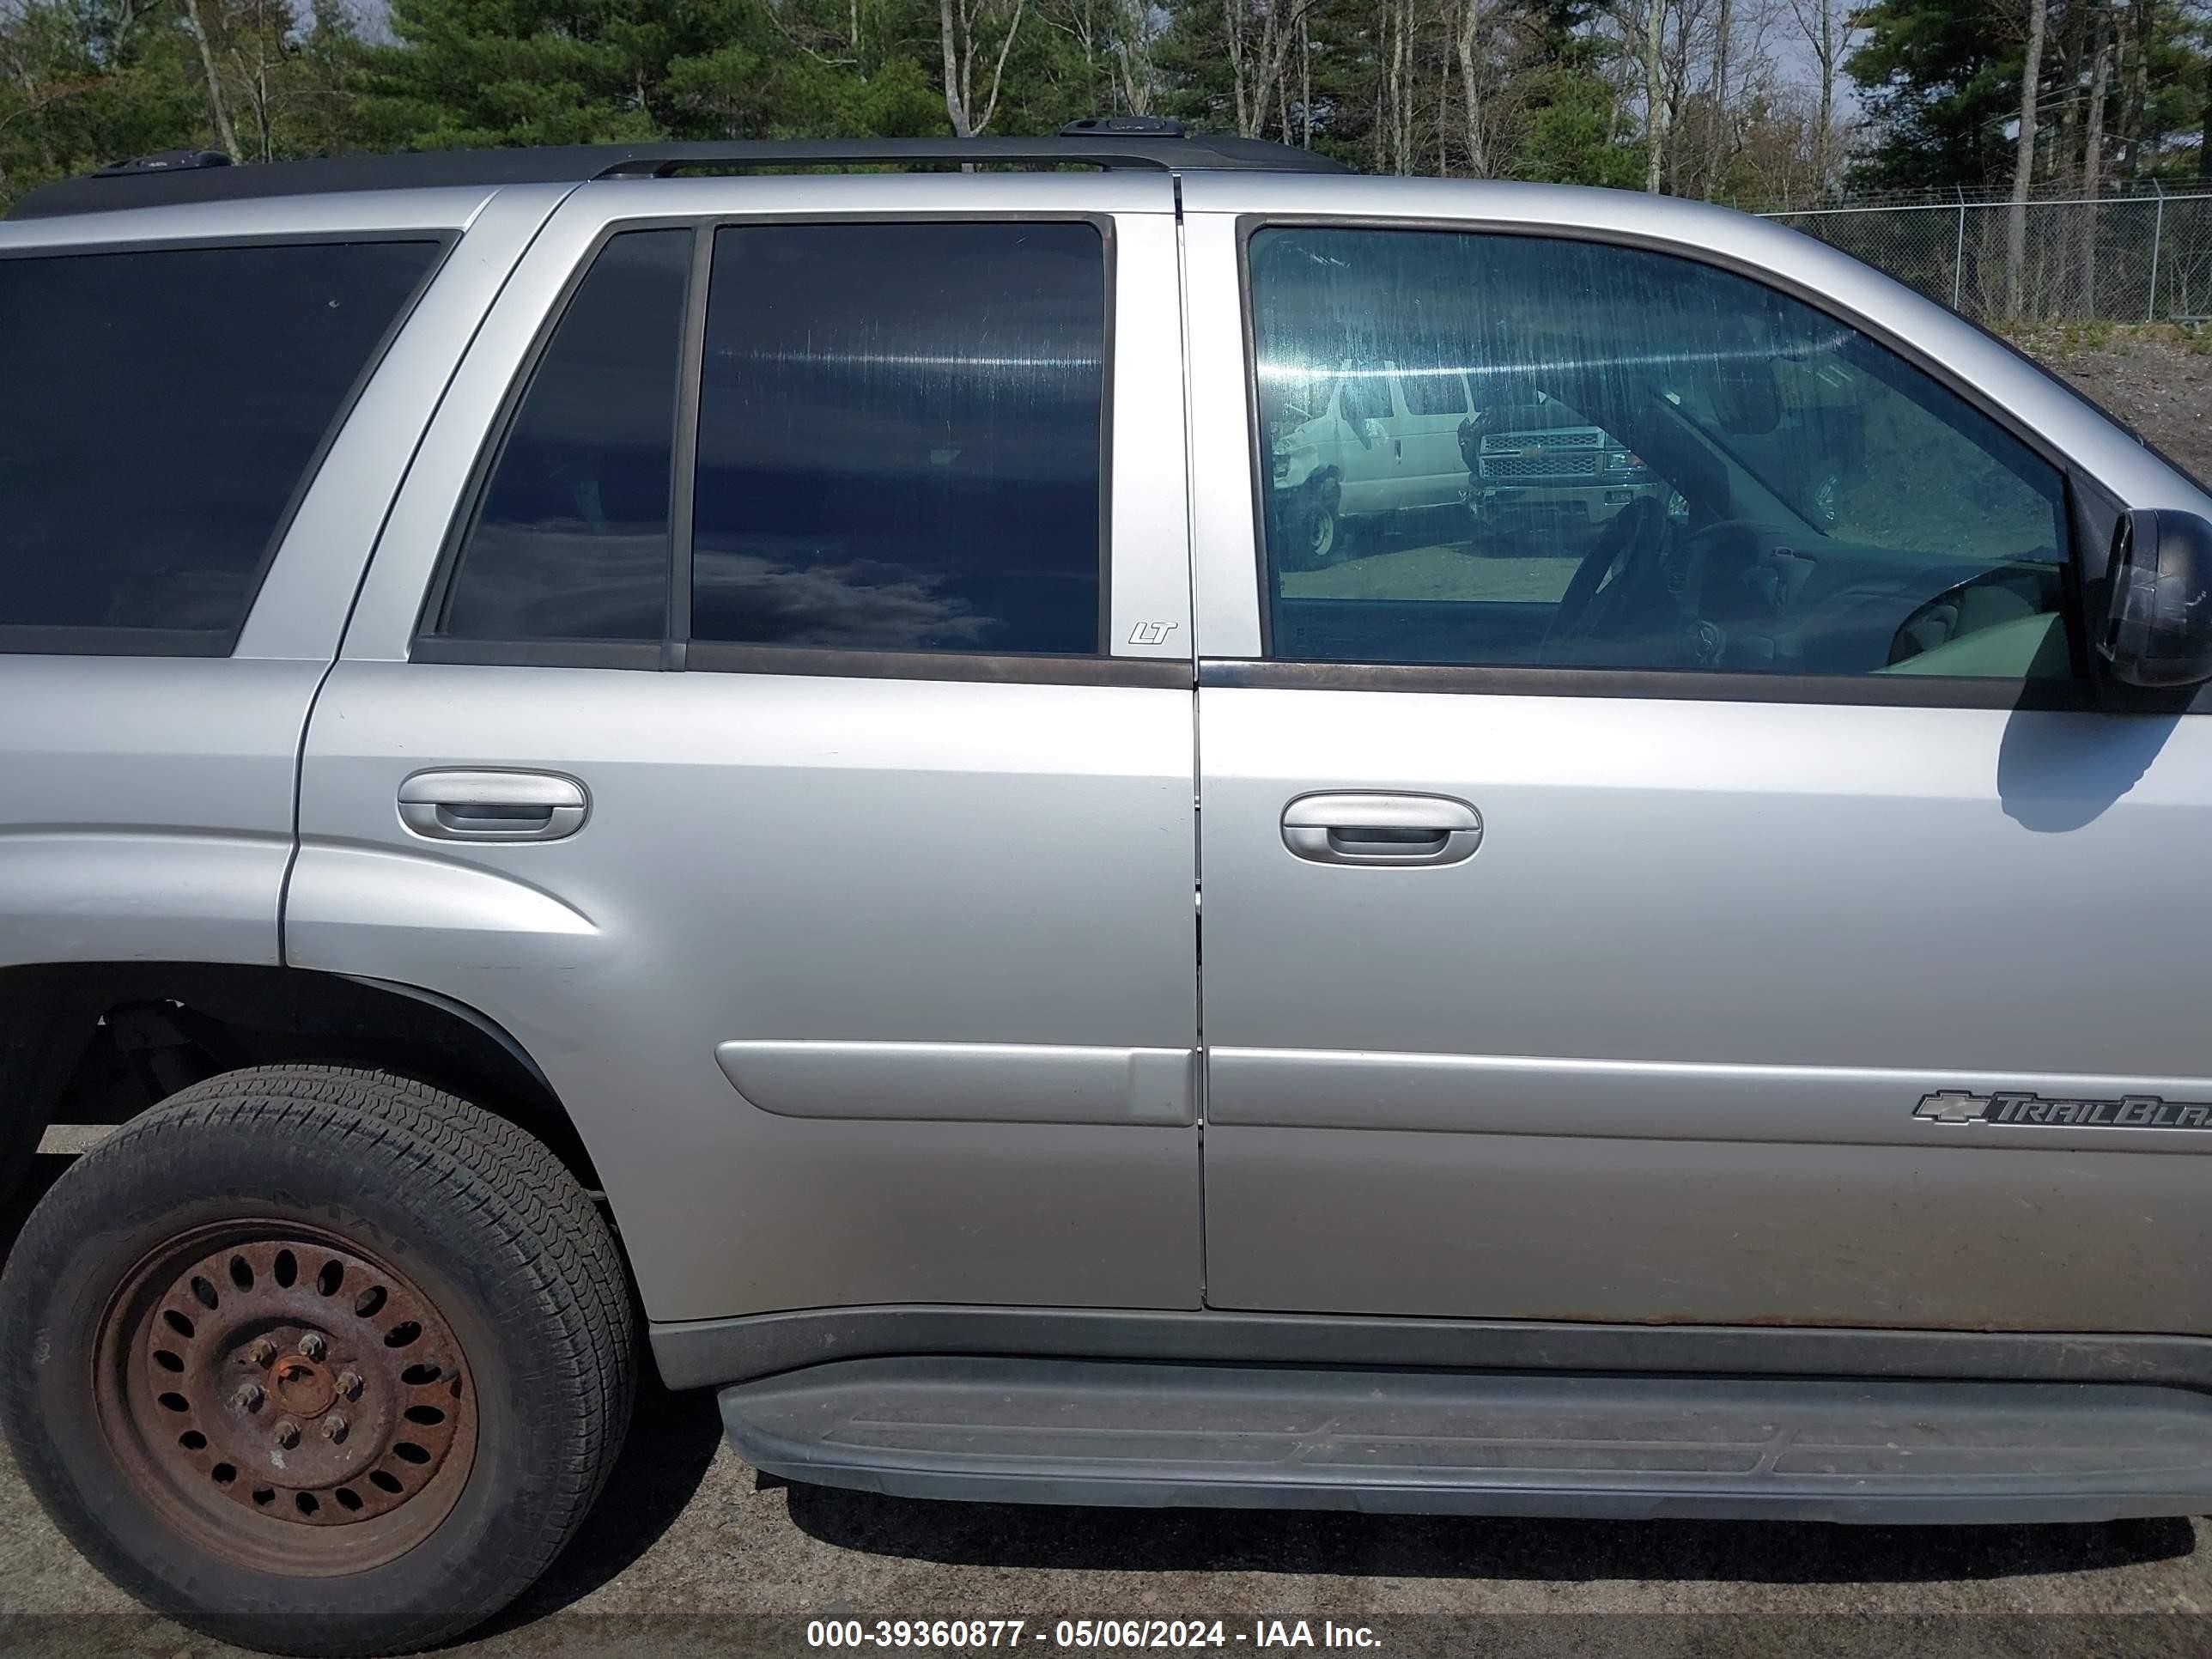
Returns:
point(1470, 81)
point(2143, 16)
point(963, 30)
point(1260, 35)
point(2092, 153)
point(1717, 124)
point(218, 110)
point(1826, 25)
point(1655, 93)
point(1136, 27)
point(2023, 171)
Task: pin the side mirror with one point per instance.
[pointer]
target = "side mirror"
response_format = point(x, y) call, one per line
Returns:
point(2158, 620)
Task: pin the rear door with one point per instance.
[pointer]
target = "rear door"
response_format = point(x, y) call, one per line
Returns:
point(1644, 932)
point(771, 703)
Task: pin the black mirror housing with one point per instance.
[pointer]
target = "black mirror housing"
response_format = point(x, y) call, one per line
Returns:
point(2158, 620)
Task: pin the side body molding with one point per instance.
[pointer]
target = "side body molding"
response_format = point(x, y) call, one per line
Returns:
point(970, 1082)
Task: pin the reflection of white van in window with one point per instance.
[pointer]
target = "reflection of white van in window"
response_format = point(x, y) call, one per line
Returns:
point(1379, 437)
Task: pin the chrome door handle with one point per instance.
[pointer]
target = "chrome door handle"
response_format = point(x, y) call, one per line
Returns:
point(493, 806)
point(1381, 828)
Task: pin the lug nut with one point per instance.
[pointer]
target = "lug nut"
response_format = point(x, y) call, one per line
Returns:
point(349, 1384)
point(287, 1434)
point(262, 1351)
point(334, 1427)
point(248, 1398)
point(313, 1345)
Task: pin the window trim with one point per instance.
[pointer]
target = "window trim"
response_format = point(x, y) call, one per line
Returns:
point(1008, 667)
point(1654, 685)
point(104, 640)
point(676, 651)
point(425, 643)
point(1895, 690)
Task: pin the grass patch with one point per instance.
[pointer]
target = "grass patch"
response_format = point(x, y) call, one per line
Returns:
point(2075, 337)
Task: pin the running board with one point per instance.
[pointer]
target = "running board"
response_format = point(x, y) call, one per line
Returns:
point(1078, 1432)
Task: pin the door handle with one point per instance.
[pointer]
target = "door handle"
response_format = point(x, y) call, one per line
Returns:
point(1381, 828)
point(493, 806)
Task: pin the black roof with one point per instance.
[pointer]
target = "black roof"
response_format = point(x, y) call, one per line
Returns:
point(185, 176)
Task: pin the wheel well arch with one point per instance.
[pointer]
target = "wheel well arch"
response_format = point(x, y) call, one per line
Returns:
point(99, 1042)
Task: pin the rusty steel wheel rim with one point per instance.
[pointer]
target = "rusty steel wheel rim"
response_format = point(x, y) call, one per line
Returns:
point(287, 1398)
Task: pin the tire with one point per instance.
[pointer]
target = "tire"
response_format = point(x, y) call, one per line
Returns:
point(1323, 533)
point(403, 1212)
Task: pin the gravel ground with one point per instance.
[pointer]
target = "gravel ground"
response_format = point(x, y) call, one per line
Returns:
point(2157, 378)
point(689, 1550)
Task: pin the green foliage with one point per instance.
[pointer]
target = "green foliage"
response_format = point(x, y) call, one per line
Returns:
point(1559, 83)
point(1939, 83)
point(1942, 89)
point(1566, 127)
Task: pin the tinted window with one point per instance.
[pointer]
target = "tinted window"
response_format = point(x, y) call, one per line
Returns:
point(570, 540)
point(1663, 465)
point(899, 438)
point(159, 413)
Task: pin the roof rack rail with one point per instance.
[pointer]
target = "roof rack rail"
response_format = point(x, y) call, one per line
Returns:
point(166, 161)
point(1112, 142)
point(1158, 127)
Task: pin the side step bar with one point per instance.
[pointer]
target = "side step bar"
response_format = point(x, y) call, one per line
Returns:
point(1078, 1431)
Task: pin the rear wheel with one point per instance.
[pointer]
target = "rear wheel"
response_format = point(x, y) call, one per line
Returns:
point(318, 1361)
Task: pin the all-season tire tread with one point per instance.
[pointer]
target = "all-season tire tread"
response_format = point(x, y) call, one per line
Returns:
point(531, 1246)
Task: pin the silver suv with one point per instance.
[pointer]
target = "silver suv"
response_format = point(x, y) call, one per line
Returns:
point(615, 742)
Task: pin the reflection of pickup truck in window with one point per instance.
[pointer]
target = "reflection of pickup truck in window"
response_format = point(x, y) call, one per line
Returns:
point(1544, 457)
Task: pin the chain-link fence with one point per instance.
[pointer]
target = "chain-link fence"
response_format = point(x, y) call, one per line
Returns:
point(2141, 256)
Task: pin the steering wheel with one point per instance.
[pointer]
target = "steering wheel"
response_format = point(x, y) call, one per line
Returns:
point(1632, 539)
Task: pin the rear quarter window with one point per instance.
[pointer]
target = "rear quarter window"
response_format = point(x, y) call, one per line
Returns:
point(160, 412)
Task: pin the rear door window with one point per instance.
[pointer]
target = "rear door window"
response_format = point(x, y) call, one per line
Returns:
point(570, 539)
point(161, 413)
point(902, 439)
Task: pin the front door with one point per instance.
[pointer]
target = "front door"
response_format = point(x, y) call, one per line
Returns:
point(841, 881)
point(1641, 927)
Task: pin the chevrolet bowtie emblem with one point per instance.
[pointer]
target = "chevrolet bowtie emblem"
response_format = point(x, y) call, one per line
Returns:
point(1953, 1106)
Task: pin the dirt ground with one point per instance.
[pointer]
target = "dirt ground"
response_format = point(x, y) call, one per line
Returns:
point(691, 1552)
point(2157, 378)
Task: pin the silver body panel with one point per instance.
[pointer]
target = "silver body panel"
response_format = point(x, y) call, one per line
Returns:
point(1706, 964)
point(791, 860)
point(818, 876)
point(882, 992)
point(146, 805)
